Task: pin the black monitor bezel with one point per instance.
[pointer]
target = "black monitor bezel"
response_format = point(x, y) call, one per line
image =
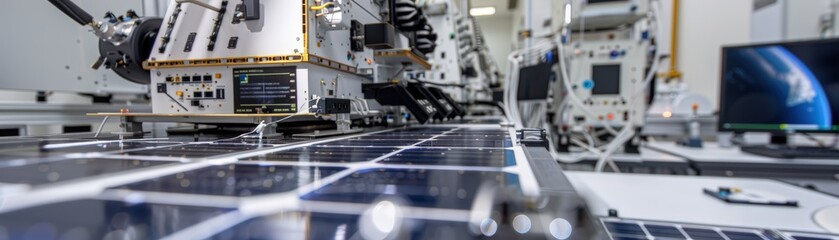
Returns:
point(721, 98)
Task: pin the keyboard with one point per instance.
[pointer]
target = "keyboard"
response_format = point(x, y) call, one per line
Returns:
point(779, 151)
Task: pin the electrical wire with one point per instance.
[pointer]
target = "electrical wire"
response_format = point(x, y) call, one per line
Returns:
point(439, 84)
point(99, 129)
point(261, 126)
point(322, 6)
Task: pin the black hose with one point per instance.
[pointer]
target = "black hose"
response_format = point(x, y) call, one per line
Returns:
point(73, 11)
point(440, 84)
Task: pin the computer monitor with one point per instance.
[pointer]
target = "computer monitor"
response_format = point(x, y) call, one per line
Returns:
point(534, 82)
point(780, 87)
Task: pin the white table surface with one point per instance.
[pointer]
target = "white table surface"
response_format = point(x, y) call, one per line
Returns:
point(646, 155)
point(681, 199)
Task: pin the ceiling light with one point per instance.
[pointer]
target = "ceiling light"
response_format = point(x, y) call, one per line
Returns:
point(482, 11)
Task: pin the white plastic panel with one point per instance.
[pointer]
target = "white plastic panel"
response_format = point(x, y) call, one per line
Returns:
point(279, 31)
point(311, 80)
point(615, 108)
point(43, 49)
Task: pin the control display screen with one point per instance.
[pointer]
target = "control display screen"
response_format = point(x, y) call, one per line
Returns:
point(607, 79)
point(780, 87)
point(265, 90)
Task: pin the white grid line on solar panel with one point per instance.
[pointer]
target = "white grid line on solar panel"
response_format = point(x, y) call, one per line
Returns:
point(200, 151)
point(86, 188)
point(275, 149)
point(190, 201)
point(351, 168)
point(213, 226)
point(267, 204)
point(379, 165)
point(36, 160)
point(320, 155)
point(681, 227)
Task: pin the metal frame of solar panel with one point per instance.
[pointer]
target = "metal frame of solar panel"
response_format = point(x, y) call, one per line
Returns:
point(433, 178)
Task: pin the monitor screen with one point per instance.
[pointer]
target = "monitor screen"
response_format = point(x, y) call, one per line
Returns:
point(534, 82)
point(607, 79)
point(781, 87)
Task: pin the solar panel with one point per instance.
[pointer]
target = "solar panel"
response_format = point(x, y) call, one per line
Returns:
point(664, 231)
point(467, 143)
point(703, 234)
point(240, 189)
point(641, 229)
point(453, 157)
point(100, 219)
point(235, 180)
point(324, 154)
point(337, 226)
point(371, 143)
point(70, 169)
point(809, 236)
point(794, 237)
point(197, 150)
point(735, 235)
point(625, 229)
point(425, 188)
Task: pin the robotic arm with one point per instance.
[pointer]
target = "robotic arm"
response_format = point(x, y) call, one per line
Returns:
point(127, 40)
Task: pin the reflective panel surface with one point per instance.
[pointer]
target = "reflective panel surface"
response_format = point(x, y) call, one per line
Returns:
point(325, 154)
point(425, 188)
point(70, 169)
point(100, 219)
point(454, 157)
point(235, 180)
point(197, 150)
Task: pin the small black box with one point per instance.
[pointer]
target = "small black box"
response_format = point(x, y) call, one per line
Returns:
point(334, 106)
point(379, 36)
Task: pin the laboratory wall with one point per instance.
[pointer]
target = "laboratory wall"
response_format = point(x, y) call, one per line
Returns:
point(704, 27)
point(794, 20)
point(497, 32)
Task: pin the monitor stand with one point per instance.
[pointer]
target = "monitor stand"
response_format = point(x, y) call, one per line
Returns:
point(779, 147)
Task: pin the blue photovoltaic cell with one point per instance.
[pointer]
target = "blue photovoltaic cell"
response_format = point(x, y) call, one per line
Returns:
point(454, 157)
point(664, 231)
point(629, 238)
point(235, 180)
point(471, 137)
point(620, 228)
point(418, 131)
point(735, 235)
point(339, 226)
point(16, 149)
point(702, 234)
point(808, 238)
point(423, 188)
point(464, 143)
point(197, 150)
point(99, 219)
point(397, 134)
point(392, 137)
point(325, 154)
point(370, 143)
point(63, 170)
